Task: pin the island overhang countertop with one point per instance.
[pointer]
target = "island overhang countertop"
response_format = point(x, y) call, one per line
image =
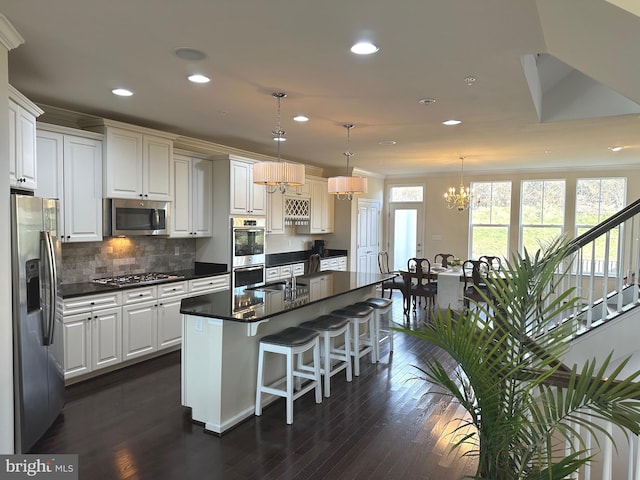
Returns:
point(263, 301)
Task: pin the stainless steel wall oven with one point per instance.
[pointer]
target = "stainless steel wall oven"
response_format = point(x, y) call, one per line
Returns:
point(247, 238)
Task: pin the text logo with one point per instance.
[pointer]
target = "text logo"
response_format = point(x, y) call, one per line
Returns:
point(50, 467)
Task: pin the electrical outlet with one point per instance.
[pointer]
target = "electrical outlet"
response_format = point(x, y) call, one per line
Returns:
point(176, 251)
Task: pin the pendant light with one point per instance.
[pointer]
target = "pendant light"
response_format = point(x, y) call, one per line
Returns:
point(344, 188)
point(461, 200)
point(277, 176)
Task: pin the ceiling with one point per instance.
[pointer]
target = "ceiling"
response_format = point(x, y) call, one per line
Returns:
point(76, 52)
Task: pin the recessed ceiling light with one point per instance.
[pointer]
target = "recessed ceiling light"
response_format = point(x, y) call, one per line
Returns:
point(198, 78)
point(452, 122)
point(616, 148)
point(470, 80)
point(427, 101)
point(191, 54)
point(301, 118)
point(364, 48)
point(387, 142)
point(122, 92)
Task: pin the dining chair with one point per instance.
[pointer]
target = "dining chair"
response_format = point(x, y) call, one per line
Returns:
point(493, 261)
point(475, 280)
point(314, 263)
point(396, 283)
point(419, 284)
point(444, 258)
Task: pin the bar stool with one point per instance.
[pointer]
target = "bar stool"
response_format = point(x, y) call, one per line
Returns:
point(329, 327)
point(289, 342)
point(359, 315)
point(381, 307)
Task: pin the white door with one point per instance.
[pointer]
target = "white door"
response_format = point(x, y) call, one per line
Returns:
point(405, 234)
point(368, 236)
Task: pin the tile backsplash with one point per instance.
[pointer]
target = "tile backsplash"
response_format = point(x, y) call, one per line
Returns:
point(83, 262)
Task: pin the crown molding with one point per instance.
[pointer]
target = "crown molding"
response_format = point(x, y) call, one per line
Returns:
point(9, 36)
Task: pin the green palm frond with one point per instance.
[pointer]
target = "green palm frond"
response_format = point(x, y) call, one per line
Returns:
point(524, 405)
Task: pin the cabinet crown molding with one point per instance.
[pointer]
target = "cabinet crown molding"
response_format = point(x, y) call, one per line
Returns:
point(24, 102)
point(9, 36)
point(98, 123)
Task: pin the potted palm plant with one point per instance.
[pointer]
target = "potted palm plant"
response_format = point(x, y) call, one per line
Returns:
point(522, 403)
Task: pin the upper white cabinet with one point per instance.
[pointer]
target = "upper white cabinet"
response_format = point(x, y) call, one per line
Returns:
point(192, 200)
point(322, 207)
point(275, 213)
point(70, 166)
point(234, 192)
point(246, 197)
point(137, 161)
point(22, 141)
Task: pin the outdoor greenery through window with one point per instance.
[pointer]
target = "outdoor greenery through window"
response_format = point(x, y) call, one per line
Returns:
point(541, 213)
point(411, 193)
point(490, 218)
point(596, 200)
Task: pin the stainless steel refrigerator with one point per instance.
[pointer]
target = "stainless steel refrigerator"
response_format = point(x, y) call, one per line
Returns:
point(37, 344)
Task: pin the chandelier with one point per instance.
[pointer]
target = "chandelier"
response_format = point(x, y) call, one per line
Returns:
point(461, 201)
point(344, 188)
point(277, 176)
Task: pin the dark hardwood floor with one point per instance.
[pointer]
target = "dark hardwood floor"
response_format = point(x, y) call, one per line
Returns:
point(130, 425)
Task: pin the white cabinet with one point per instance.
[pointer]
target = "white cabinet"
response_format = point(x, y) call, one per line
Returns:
point(245, 196)
point(139, 323)
point(22, 141)
point(137, 161)
point(334, 263)
point(320, 286)
point(275, 213)
point(92, 333)
point(192, 200)
point(322, 208)
point(283, 272)
point(105, 330)
point(71, 170)
point(200, 286)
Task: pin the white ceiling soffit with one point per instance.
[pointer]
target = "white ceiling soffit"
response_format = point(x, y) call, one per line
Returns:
point(596, 38)
point(560, 92)
point(631, 6)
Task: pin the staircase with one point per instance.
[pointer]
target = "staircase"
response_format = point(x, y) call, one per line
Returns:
point(605, 268)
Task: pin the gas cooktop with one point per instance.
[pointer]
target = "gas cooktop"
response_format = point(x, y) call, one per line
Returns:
point(136, 279)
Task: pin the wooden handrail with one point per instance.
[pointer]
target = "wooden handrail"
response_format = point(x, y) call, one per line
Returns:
point(589, 236)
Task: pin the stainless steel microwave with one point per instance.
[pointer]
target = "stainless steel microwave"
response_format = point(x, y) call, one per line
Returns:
point(126, 218)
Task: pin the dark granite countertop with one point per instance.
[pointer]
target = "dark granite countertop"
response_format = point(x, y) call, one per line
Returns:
point(277, 259)
point(252, 304)
point(200, 270)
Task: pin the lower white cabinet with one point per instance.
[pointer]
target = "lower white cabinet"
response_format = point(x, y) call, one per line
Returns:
point(104, 330)
point(334, 263)
point(91, 341)
point(139, 321)
point(283, 271)
point(200, 286)
point(169, 330)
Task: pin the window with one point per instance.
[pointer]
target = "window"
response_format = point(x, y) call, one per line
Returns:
point(490, 217)
point(409, 193)
point(541, 213)
point(596, 200)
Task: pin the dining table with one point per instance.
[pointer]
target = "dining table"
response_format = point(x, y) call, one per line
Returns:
point(450, 288)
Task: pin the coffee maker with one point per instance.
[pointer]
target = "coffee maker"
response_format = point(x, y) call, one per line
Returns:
point(318, 247)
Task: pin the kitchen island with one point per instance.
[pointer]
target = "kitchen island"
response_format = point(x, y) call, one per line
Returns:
point(222, 331)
